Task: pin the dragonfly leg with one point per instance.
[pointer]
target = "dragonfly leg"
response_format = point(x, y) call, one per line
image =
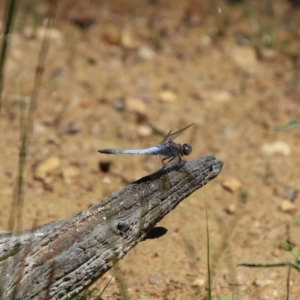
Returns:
point(168, 158)
point(171, 158)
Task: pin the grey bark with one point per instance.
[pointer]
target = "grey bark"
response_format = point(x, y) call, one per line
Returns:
point(60, 259)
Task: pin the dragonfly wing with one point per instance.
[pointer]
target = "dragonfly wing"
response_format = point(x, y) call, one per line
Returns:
point(166, 138)
point(158, 166)
point(153, 163)
point(172, 136)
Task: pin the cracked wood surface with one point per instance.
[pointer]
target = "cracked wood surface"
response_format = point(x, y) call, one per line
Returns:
point(60, 259)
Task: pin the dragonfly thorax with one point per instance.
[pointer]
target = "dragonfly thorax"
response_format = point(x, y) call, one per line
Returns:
point(186, 149)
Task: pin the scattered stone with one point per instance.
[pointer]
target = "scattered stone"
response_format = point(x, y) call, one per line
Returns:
point(221, 96)
point(241, 279)
point(199, 282)
point(268, 54)
point(39, 128)
point(135, 105)
point(231, 184)
point(70, 128)
point(167, 96)
point(192, 17)
point(52, 34)
point(230, 209)
point(127, 40)
point(143, 82)
point(279, 147)
point(106, 180)
point(286, 192)
point(287, 206)
point(263, 282)
point(229, 132)
point(95, 129)
point(145, 53)
point(156, 279)
point(244, 57)
point(119, 104)
point(69, 173)
point(28, 32)
point(112, 35)
point(206, 40)
point(45, 168)
point(144, 131)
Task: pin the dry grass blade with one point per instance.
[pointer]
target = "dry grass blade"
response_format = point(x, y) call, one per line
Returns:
point(10, 11)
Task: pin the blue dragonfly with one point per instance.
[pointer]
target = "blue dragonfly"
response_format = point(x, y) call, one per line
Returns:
point(166, 148)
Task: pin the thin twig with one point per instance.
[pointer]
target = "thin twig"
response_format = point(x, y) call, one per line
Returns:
point(275, 265)
point(288, 284)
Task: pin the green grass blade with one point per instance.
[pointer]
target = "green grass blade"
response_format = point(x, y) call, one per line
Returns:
point(208, 255)
point(288, 126)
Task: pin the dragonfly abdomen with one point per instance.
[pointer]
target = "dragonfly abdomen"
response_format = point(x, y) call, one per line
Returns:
point(152, 151)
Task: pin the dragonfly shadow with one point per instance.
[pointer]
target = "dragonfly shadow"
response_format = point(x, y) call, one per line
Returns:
point(162, 183)
point(163, 173)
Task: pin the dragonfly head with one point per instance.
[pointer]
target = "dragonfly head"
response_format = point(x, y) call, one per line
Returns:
point(186, 149)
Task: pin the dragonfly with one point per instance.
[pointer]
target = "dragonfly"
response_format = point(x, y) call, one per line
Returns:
point(166, 148)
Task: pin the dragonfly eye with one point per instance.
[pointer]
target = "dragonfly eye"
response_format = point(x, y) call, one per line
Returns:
point(186, 149)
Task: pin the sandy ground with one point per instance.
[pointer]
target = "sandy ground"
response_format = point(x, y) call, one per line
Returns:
point(121, 76)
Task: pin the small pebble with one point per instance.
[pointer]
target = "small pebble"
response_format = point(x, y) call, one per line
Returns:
point(221, 96)
point(279, 147)
point(206, 40)
point(198, 282)
point(46, 167)
point(145, 53)
point(156, 279)
point(69, 173)
point(136, 105)
point(287, 206)
point(119, 104)
point(268, 54)
point(52, 33)
point(231, 184)
point(106, 180)
point(167, 96)
point(95, 129)
point(144, 131)
point(128, 41)
point(39, 128)
point(244, 57)
point(263, 282)
point(230, 209)
point(285, 192)
point(70, 128)
point(112, 35)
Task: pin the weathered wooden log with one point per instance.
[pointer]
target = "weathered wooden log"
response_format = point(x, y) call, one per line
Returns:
point(60, 259)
